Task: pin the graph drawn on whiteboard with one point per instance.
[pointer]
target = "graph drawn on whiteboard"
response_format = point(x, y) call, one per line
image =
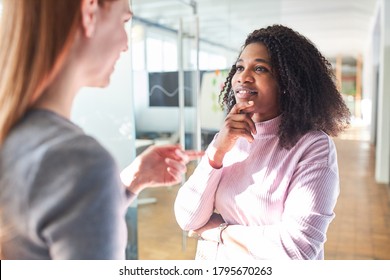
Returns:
point(164, 89)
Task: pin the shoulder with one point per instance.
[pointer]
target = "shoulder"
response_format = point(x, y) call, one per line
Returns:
point(46, 145)
point(316, 137)
point(317, 147)
point(78, 146)
point(65, 157)
point(41, 131)
point(80, 157)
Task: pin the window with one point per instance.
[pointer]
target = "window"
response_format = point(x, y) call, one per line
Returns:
point(161, 55)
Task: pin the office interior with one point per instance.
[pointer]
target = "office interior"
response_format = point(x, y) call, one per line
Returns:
point(179, 54)
point(165, 89)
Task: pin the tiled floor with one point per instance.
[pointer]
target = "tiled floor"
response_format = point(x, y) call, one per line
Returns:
point(361, 229)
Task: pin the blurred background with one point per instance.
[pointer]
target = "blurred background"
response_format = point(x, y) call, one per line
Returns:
point(165, 90)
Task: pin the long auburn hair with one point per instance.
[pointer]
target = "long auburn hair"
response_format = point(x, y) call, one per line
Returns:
point(309, 99)
point(35, 37)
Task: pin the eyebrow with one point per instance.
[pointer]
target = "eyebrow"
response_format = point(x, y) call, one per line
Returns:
point(257, 60)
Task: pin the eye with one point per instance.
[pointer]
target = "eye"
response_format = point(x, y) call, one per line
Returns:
point(261, 69)
point(239, 68)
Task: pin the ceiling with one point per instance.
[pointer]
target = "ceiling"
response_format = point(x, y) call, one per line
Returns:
point(337, 27)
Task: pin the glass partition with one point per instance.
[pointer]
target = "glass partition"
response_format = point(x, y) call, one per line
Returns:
point(167, 85)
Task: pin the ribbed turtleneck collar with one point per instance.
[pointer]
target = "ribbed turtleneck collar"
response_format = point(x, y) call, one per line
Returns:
point(268, 128)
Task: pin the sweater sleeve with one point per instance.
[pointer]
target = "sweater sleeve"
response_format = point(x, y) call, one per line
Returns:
point(308, 211)
point(85, 215)
point(301, 233)
point(309, 206)
point(194, 203)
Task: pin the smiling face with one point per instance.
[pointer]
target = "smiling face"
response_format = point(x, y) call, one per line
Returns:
point(254, 80)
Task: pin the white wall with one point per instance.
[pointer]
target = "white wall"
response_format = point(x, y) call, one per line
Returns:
point(378, 60)
point(382, 171)
point(370, 74)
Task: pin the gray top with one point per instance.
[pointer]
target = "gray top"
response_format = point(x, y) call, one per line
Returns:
point(61, 195)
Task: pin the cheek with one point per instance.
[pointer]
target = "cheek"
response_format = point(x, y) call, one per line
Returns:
point(271, 94)
point(272, 87)
point(276, 98)
point(234, 79)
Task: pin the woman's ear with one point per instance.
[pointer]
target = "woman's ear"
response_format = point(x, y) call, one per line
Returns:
point(89, 9)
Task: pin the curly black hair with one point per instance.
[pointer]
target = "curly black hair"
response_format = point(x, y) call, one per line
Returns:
point(309, 99)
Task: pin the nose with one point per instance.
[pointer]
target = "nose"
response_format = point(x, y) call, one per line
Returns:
point(245, 76)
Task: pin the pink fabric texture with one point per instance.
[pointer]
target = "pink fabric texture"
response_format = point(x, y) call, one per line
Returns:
point(281, 201)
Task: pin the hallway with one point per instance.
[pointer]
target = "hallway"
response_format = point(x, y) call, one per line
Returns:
point(360, 231)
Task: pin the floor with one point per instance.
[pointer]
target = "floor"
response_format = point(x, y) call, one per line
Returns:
point(360, 231)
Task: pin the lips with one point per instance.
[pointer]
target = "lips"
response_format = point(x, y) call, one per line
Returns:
point(244, 93)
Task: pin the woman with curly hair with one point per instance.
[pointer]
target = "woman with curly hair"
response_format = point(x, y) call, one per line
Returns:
point(268, 183)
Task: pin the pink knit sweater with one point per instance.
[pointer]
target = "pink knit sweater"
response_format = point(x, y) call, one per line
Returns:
point(281, 200)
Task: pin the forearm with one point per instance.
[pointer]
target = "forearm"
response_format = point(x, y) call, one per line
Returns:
point(301, 231)
point(238, 241)
point(256, 242)
point(195, 200)
point(215, 157)
point(273, 242)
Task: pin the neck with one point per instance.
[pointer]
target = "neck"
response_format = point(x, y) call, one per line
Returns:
point(61, 105)
point(59, 95)
point(264, 117)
